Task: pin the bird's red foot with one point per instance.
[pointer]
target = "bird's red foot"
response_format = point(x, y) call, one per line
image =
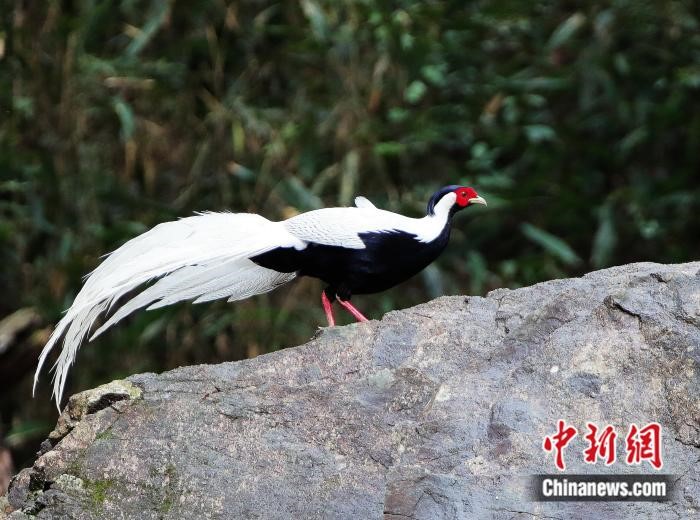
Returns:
point(328, 309)
point(352, 309)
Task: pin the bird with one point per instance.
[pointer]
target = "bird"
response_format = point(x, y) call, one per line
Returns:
point(214, 255)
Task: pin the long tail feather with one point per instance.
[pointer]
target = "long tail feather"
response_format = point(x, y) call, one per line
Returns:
point(200, 258)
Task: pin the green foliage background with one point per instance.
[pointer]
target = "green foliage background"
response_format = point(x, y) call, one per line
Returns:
point(579, 122)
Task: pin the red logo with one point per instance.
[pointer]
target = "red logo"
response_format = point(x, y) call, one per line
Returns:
point(600, 446)
point(641, 444)
point(644, 444)
point(559, 441)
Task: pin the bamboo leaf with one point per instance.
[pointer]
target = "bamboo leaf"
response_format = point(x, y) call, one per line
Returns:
point(154, 23)
point(605, 238)
point(126, 118)
point(567, 30)
point(551, 244)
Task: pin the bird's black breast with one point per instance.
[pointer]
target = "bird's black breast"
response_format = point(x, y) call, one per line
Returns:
point(388, 259)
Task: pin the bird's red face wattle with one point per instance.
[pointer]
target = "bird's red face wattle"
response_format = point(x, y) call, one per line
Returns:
point(466, 196)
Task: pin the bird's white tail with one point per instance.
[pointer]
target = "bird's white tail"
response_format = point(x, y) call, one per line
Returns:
point(200, 258)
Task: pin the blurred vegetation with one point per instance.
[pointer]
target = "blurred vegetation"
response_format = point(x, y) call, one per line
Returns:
point(579, 122)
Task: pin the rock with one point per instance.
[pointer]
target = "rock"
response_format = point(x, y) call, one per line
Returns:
point(437, 411)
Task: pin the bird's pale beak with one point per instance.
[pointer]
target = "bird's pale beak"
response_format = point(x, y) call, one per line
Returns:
point(478, 200)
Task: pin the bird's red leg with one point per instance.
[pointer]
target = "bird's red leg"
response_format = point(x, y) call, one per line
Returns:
point(328, 309)
point(352, 309)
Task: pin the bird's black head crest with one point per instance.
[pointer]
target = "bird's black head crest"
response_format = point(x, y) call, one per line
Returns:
point(438, 195)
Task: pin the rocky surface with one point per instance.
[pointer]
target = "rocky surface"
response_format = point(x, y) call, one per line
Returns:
point(438, 411)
